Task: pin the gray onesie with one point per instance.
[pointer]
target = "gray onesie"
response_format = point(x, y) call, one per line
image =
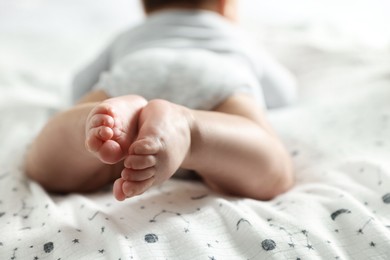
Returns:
point(191, 58)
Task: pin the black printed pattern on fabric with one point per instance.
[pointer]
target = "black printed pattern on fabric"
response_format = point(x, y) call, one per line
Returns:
point(282, 238)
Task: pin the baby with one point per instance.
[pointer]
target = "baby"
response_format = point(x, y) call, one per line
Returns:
point(183, 90)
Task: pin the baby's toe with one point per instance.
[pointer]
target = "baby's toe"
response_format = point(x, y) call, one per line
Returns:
point(138, 175)
point(134, 188)
point(139, 162)
point(110, 152)
point(102, 120)
point(97, 136)
point(104, 109)
point(146, 146)
point(118, 190)
point(105, 133)
point(93, 141)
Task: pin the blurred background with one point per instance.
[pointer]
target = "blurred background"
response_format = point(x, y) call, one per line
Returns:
point(44, 42)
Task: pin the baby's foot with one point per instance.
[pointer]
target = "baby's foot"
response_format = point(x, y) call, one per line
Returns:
point(162, 144)
point(112, 126)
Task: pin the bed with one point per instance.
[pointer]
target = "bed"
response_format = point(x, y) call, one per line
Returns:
point(338, 135)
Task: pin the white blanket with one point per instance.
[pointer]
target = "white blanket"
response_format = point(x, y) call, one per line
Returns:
point(338, 135)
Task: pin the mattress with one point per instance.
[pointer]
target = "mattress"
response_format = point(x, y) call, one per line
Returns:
point(338, 134)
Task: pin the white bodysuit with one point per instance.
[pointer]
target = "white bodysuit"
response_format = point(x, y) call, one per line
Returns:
point(191, 58)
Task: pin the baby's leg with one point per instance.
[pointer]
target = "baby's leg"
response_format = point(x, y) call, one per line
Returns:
point(112, 126)
point(58, 158)
point(162, 145)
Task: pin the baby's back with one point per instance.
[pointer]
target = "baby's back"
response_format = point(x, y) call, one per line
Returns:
point(191, 58)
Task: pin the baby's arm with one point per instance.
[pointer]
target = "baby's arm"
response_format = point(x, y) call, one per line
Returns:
point(235, 150)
